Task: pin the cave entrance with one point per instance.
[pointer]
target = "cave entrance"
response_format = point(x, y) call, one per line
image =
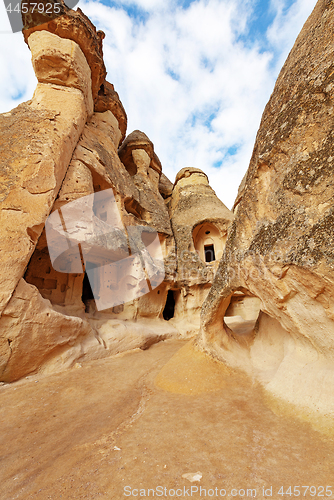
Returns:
point(209, 251)
point(87, 292)
point(169, 310)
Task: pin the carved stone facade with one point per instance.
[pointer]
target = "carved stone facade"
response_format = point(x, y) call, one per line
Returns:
point(124, 270)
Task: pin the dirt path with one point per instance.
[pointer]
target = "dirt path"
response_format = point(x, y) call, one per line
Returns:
point(92, 431)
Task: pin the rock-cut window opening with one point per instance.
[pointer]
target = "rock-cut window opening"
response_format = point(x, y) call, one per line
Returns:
point(87, 292)
point(169, 310)
point(208, 242)
point(209, 251)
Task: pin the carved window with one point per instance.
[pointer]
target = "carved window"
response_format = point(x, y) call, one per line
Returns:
point(209, 251)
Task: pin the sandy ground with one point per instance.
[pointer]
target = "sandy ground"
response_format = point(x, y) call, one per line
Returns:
point(115, 428)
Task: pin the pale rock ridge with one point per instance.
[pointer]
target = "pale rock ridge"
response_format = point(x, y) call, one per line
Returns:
point(60, 61)
point(33, 170)
point(63, 145)
point(199, 222)
point(280, 245)
point(75, 26)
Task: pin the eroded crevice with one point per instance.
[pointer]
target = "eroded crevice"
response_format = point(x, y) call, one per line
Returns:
point(242, 314)
point(11, 209)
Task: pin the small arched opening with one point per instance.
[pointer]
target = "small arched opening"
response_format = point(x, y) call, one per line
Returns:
point(209, 253)
point(169, 310)
point(87, 292)
point(208, 242)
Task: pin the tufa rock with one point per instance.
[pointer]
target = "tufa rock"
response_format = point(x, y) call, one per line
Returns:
point(110, 228)
point(138, 156)
point(108, 99)
point(60, 61)
point(75, 26)
point(199, 222)
point(280, 245)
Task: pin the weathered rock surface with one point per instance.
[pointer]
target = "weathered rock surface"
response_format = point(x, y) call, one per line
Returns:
point(141, 162)
point(280, 245)
point(61, 62)
point(34, 332)
point(44, 167)
point(194, 204)
point(86, 235)
point(165, 187)
point(200, 222)
point(75, 26)
point(108, 100)
point(38, 139)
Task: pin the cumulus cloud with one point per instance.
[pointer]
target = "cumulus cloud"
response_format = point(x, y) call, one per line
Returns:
point(17, 78)
point(194, 75)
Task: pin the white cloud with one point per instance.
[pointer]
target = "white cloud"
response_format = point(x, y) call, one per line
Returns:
point(287, 24)
point(17, 78)
point(185, 77)
point(4, 21)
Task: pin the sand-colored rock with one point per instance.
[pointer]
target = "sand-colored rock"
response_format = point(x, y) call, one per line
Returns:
point(75, 26)
point(108, 100)
point(197, 215)
point(34, 332)
point(96, 168)
point(200, 222)
point(279, 247)
point(91, 221)
point(38, 139)
point(61, 61)
point(138, 156)
point(165, 187)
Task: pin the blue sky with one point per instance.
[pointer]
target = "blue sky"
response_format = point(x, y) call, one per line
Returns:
point(194, 75)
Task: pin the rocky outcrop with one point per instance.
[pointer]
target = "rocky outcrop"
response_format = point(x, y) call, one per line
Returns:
point(141, 162)
point(56, 150)
point(108, 100)
point(75, 26)
point(200, 222)
point(279, 248)
point(38, 140)
point(89, 223)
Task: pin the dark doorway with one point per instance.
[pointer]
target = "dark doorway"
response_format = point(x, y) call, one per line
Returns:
point(169, 307)
point(87, 293)
point(209, 253)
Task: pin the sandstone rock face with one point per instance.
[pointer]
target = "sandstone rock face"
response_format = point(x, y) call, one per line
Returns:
point(75, 26)
point(60, 61)
point(34, 332)
point(38, 141)
point(108, 100)
point(138, 156)
point(89, 223)
point(200, 222)
point(279, 248)
point(165, 187)
point(32, 170)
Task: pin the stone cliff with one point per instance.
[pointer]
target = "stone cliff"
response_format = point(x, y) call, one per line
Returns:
point(270, 309)
point(125, 241)
point(133, 257)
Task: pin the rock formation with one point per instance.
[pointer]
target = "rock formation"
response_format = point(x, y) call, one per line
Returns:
point(89, 223)
point(270, 309)
point(199, 222)
point(101, 253)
